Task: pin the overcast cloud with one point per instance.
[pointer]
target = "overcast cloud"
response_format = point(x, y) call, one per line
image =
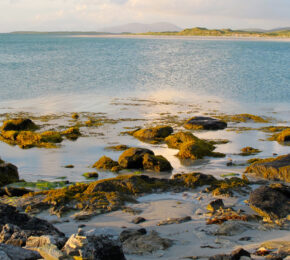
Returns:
point(86, 15)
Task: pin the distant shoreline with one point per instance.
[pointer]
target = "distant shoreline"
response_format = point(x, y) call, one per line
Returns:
point(175, 37)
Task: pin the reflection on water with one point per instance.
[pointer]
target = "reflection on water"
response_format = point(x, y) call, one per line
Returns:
point(35, 164)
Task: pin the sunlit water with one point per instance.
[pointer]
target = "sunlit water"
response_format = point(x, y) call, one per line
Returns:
point(48, 74)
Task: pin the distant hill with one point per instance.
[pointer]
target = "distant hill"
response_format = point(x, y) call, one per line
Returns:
point(142, 28)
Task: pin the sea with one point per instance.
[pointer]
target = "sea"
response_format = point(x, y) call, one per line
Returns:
point(141, 78)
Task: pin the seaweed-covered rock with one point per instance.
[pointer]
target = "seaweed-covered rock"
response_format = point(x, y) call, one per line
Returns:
point(284, 136)
point(8, 173)
point(272, 168)
point(243, 118)
point(133, 158)
point(156, 163)
point(195, 179)
point(272, 202)
point(140, 158)
point(105, 163)
point(197, 150)
point(72, 133)
point(120, 147)
point(176, 140)
point(249, 151)
point(215, 205)
point(156, 133)
point(206, 123)
point(91, 175)
point(21, 124)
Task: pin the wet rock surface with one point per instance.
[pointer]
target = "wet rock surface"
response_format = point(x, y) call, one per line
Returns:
point(8, 173)
point(272, 168)
point(271, 202)
point(205, 123)
point(10, 252)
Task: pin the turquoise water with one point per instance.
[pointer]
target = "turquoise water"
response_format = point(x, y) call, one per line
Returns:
point(38, 65)
point(141, 79)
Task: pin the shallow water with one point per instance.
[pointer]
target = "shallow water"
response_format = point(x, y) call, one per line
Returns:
point(141, 79)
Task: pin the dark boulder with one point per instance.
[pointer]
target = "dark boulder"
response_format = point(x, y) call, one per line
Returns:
point(205, 123)
point(22, 124)
point(31, 226)
point(18, 253)
point(8, 173)
point(272, 202)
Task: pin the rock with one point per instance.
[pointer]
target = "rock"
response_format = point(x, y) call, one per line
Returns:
point(231, 228)
point(129, 233)
point(197, 150)
point(176, 140)
point(94, 247)
point(174, 221)
point(144, 244)
point(12, 235)
point(157, 133)
point(30, 226)
point(35, 241)
point(272, 202)
point(284, 136)
point(75, 116)
point(91, 175)
point(4, 256)
point(220, 257)
point(121, 147)
point(156, 163)
point(15, 192)
point(19, 253)
point(18, 125)
point(205, 123)
point(272, 168)
point(72, 133)
point(105, 163)
point(140, 158)
point(199, 212)
point(138, 220)
point(133, 158)
point(238, 253)
point(215, 205)
point(51, 252)
point(249, 151)
point(8, 174)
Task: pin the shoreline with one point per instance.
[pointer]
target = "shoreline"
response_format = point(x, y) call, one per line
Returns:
point(173, 37)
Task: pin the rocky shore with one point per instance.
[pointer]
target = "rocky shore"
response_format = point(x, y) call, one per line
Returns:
point(145, 211)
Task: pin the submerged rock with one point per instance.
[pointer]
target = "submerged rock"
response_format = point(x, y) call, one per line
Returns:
point(157, 133)
point(121, 147)
point(249, 151)
point(171, 221)
point(272, 168)
point(205, 123)
point(8, 173)
point(243, 118)
point(271, 202)
point(91, 175)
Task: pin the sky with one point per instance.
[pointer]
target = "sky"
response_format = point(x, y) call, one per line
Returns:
point(91, 15)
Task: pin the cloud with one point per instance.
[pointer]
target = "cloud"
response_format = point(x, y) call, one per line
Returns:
point(94, 14)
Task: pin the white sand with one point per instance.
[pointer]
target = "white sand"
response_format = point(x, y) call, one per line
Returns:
point(188, 237)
